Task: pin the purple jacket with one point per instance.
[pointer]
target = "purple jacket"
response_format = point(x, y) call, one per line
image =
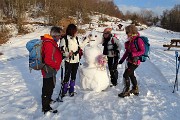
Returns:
point(131, 51)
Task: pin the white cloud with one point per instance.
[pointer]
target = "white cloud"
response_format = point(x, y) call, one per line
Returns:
point(157, 10)
point(125, 8)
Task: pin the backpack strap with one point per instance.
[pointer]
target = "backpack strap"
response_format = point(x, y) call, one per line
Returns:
point(66, 42)
point(77, 40)
point(136, 43)
point(78, 43)
point(54, 49)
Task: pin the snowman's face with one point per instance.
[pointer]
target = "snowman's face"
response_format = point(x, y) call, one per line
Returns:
point(95, 38)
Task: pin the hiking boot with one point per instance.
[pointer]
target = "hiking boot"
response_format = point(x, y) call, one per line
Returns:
point(125, 92)
point(64, 89)
point(49, 110)
point(71, 89)
point(63, 95)
point(134, 90)
point(71, 94)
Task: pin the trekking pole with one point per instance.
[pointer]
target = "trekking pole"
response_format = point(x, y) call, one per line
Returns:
point(60, 96)
point(58, 99)
point(177, 70)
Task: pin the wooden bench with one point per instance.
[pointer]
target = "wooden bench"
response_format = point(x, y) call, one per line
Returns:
point(173, 43)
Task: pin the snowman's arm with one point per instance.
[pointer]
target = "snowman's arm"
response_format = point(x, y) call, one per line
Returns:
point(84, 43)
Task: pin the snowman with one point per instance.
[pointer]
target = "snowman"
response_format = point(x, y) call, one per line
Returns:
point(93, 72)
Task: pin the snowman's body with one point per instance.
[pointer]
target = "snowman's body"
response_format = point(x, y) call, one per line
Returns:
point(91, 77)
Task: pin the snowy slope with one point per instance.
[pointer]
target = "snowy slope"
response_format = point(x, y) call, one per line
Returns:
point(20, 90)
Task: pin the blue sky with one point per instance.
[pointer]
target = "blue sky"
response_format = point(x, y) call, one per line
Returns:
point(157, 6)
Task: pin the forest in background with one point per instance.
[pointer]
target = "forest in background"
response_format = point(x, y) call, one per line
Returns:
point(56, 11)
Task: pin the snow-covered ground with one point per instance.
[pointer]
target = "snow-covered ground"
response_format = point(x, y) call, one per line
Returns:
point(20, 90)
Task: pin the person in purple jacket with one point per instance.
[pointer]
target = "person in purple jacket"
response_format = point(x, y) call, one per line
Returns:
point(131, 55)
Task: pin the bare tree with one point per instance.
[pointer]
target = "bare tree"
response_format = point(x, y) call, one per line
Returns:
point(171, 19)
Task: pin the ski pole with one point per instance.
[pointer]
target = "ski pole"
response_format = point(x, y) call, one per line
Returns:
point(177, 70)
point(58, 99)
point(60, 96)
point(176, 80)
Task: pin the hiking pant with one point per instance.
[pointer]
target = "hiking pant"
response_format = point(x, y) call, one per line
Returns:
point(129, 75)
point(70, 70)
point(47, 91)
point(112, 65)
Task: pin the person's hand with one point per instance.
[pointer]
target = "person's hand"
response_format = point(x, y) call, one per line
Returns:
point(120, 62)
point(135, 59)
point(70, 53)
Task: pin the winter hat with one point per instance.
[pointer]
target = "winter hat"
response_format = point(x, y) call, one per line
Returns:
point(107, 30)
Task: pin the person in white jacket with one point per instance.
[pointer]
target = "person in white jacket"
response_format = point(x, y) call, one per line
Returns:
point(112, 48)
point(72, 52)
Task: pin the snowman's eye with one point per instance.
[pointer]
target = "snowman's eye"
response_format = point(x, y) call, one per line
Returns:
point(95, 35)
point(90, 35)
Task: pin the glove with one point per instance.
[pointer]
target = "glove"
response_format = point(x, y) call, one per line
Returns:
point(120, 62)
point(135, 59)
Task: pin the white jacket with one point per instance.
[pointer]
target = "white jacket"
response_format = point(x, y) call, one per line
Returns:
point(72, 46)
point(110, 46)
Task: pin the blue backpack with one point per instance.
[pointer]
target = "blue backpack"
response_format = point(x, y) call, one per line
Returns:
point(143, 57)
point(35, 54)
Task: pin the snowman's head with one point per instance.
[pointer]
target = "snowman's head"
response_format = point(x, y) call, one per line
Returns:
point(95, 38)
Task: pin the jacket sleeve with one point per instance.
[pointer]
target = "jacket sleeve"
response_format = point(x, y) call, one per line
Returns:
point(124, 56)
point(49, 50)
point(141, 48)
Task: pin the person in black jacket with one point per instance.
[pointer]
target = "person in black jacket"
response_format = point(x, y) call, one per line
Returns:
point(112, 48)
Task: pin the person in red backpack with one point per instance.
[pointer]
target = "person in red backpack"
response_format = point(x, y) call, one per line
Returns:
point(52, 58)
point(131, 55)
point(112, 48)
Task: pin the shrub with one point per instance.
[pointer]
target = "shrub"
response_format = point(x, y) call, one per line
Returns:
point(81, 31)
point(4, 35)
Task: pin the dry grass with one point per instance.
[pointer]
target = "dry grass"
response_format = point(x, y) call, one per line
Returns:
point(65, 22)
point(4, 36)
point(103, 19)
point(24, 30)
point(81, 31)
